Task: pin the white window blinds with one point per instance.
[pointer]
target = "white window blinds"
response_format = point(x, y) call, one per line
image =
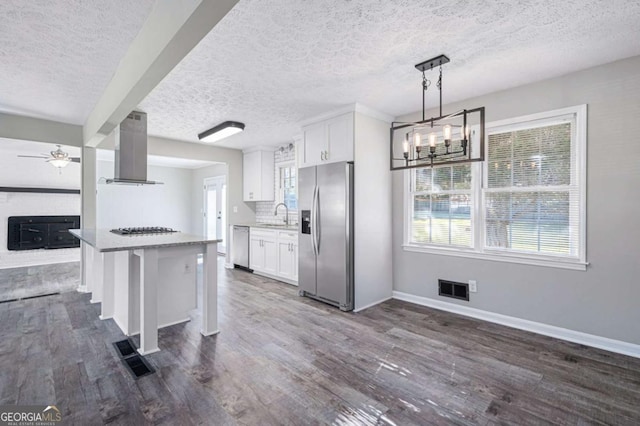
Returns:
point(531, 192)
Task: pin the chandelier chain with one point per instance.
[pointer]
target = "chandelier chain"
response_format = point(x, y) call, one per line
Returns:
point(425, 82)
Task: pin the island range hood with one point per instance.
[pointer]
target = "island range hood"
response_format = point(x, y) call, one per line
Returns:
point(131, 152)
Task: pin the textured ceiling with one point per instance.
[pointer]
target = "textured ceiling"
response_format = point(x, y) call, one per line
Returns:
point(57, 56)
point(271, 64)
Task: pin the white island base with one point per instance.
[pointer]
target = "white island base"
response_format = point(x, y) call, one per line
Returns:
point(148, 282)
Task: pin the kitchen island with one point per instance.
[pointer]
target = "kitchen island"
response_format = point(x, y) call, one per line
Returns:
point(125, 273)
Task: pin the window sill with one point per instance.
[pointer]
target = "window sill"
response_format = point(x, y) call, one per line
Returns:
point(498, 257)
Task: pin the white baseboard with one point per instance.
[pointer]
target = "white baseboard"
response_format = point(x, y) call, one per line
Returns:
point(276, 277)
point(151, 351)
point(83, 289)
point(362, 308)
point(228, 265)
point(599, 342)
point(168, 324)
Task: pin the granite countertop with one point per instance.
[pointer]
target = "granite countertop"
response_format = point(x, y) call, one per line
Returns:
point(104, 240)
point(282, 227)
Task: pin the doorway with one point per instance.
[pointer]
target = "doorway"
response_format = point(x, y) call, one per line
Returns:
point(215, 210)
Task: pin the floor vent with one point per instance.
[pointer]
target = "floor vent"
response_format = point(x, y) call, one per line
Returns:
point(125, 348)
point(453, 289)
point(30, 297)
point(138, 366)
point(135, 363)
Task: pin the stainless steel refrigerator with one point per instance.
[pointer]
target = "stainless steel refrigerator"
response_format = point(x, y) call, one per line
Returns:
point(325, 245)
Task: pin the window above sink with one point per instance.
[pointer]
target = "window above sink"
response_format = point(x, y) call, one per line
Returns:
point(287, 185)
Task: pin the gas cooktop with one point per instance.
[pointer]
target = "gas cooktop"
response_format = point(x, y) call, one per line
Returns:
point(143, 230)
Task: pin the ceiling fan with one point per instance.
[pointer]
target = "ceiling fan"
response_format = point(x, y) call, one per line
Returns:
point(57, 158)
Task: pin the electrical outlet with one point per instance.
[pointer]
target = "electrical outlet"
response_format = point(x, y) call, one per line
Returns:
point(235, 209)
point(473, 286)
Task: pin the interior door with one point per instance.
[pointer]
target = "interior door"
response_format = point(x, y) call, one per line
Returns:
point(215, 210)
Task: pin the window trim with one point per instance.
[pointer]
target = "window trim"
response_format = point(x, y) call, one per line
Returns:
point(279, 188)
point(477, 250)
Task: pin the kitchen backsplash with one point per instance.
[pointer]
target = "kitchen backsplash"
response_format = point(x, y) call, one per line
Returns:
point(265, 209)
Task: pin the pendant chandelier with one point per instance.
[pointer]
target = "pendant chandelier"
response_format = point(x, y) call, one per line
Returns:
point(446, 139)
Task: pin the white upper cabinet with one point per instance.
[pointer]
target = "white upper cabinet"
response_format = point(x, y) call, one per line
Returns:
point(258, 179)
point(328, 141)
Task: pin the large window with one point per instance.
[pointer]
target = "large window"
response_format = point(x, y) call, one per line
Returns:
point(524, 203)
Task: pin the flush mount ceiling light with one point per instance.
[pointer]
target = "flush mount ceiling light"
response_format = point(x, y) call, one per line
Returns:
point(221, 131)
point(446, 139)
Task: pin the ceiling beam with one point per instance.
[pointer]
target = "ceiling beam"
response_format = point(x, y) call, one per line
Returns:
point(173, 28)
point(39, 130)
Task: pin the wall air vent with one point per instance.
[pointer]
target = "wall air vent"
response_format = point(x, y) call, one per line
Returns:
point(453, 289)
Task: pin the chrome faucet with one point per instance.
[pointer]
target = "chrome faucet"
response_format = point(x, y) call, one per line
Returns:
point(286, 217)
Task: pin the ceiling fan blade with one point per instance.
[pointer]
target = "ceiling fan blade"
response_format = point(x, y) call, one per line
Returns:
point(74, 159)
point(32, 156)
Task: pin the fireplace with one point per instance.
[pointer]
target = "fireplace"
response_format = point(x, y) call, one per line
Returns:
point(42, 232)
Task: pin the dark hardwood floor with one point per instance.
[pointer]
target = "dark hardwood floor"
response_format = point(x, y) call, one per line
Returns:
point(16, 283)
point(282, 359)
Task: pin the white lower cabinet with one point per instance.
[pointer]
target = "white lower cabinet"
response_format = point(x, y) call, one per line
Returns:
point(274, 253)
point(263, 255)
point(288, 255)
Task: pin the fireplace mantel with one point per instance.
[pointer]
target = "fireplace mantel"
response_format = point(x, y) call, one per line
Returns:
point(39, 190)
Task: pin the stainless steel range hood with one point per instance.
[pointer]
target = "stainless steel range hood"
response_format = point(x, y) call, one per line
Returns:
point(131, 151)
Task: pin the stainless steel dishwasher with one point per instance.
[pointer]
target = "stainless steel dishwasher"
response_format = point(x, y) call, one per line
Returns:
point(241, 247)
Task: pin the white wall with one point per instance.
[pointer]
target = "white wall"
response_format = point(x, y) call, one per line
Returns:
point(35, 172)
point(603, 300)
point(237, 210)
point(372, 220)
point(146, 205)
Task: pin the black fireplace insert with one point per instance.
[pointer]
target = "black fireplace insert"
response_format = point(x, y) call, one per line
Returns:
point(42, 232)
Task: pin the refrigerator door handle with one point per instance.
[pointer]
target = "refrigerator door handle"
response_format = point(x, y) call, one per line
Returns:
point(317, 227)
point(313, 221)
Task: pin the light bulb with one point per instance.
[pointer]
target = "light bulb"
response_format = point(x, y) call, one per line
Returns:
point(416, 139)
point(432, 139)
point(446, 132)
point(405, 146)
